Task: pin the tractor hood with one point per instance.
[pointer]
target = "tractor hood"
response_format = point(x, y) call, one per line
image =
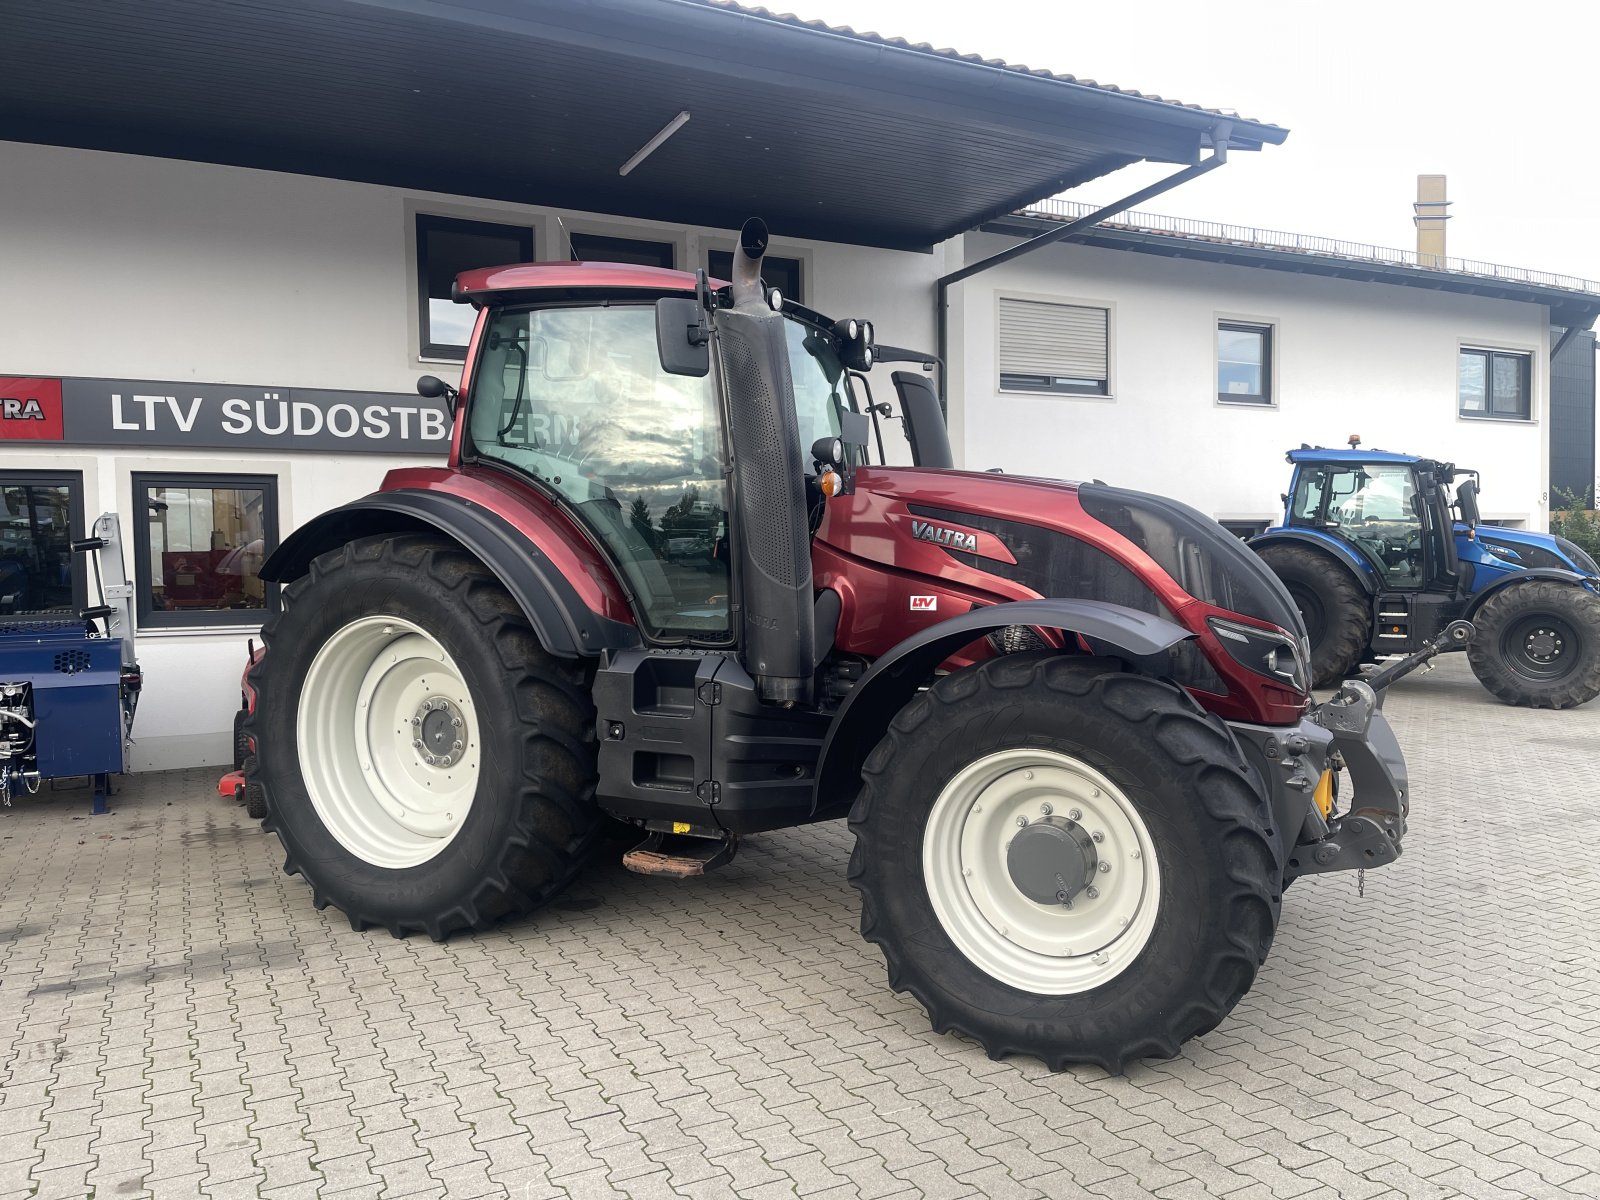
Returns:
point(1055, 536)
point(1533, 549)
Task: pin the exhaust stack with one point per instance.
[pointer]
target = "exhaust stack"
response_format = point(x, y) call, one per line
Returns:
point(776, 605)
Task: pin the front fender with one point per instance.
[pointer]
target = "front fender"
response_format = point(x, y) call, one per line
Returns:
point(564, 624)
point(1138, 638)
point(1527, 575)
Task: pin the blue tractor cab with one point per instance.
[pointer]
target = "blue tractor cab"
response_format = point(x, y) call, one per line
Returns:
point(1381, 551)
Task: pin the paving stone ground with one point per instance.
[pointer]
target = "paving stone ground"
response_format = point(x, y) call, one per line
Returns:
point(176, 1019)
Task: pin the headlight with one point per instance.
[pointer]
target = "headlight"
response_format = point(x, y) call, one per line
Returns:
point(1266, 652)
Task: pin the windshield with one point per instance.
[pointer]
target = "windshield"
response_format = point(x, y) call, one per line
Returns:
point(576, 398)
point(821, 385)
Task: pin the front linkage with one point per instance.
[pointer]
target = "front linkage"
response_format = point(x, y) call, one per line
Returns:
point(1362, 742)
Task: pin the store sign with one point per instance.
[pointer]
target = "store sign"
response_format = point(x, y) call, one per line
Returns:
point(142, 412)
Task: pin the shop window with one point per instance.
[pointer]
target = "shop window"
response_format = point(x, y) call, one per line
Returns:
point(780, 273)
point(198, 548)
point(1244, 363)
point(40, 514)
point(445, 248)
point(594, 247)
point(1495, 383)
point(1045, 347)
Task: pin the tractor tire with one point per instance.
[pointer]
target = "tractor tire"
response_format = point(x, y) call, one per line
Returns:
point(255, 803)
point(1538, 644)
point(241, 740)
point(1336, 612)
point(467, 795)
point(1146, 816)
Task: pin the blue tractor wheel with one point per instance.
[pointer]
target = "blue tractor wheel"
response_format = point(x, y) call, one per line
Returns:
point(1538, 644)
point(1336, 612)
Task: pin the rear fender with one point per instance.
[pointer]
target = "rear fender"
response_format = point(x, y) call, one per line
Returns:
point(1359, 567)
point(1137, 638)
point(1527, 575)
point(564, 624)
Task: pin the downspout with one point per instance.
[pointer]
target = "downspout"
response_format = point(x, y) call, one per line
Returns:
point(1218, 136)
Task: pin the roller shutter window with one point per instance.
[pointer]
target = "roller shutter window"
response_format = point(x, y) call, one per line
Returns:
point(1047, 347)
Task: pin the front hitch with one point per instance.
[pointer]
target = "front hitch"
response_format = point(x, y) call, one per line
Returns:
point(1456, 636)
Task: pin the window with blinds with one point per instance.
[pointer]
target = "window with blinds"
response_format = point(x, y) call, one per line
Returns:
point(1045, 347)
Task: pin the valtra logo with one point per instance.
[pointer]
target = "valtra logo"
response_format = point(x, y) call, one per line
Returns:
point(30, 409)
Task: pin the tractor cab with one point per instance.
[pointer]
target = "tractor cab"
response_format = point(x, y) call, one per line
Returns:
point(1392, 511)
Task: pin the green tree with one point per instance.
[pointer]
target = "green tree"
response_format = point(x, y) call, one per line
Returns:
point(1576, 521)
point(639, 514)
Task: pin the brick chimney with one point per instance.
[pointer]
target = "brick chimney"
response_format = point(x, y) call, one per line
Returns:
point(1430, 218)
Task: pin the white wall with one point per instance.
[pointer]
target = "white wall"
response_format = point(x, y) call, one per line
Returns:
point(143, 268)
point(1350, 357)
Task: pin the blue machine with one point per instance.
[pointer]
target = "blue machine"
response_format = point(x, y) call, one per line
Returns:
point(69, 685)
point(1382, 551)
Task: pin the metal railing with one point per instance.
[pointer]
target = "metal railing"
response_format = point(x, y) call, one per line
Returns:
point(1215, 231)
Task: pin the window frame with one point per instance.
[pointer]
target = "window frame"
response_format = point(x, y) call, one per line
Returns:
point(1269, 361)
point(427, 349)
point(1108, 393)
point(73, 482)
point(148, 617)
point(671, 245)
point(1489, 354)
point(802, 269)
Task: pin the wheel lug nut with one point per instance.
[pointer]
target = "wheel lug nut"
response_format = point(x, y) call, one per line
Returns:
point(456, 746)
point(1027, 774)
point(1105, 867)
point(1074, 814)
point(1022, 821)
point(1047, 808)
point(429, 759)
point(1093, 893)
point(455, 722)
point(1098, 836)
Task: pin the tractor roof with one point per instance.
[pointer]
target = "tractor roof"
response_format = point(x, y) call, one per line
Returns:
point(1320, 454)
point(600, 276)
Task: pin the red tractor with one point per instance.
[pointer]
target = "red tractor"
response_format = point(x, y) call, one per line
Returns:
point(662, 581)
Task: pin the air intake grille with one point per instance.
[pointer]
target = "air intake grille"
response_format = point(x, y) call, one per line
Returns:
point(70, 662)
point(764, 471)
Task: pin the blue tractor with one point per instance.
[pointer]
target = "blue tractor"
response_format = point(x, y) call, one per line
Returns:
point(1380, 556)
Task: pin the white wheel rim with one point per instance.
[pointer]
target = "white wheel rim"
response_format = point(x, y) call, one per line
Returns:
point(1049, 949)
point(376, 688)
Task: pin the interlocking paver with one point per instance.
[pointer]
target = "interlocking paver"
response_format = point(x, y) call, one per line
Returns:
point(177, 1019)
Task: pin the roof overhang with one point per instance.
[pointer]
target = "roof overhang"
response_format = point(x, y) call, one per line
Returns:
point(825, 133)
point(1568, 308)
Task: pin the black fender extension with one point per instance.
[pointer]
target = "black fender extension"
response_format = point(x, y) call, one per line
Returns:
point(564, 624)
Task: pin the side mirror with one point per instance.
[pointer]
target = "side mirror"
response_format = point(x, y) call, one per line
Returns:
point(682, 340)
point(433, 387)
point(1467, 502)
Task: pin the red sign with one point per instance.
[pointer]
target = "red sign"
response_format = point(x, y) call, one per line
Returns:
point(30, 410)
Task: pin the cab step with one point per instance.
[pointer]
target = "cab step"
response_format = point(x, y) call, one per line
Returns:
point(679, 856)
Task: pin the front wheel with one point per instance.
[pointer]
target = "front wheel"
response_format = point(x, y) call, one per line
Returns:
point(427, 765)
point(1064, 862)
point(1538, 644)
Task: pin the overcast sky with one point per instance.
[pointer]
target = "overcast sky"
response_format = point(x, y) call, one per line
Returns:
point(1499, 97)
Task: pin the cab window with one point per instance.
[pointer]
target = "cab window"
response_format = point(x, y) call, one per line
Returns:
point(576, 399)
point(821, 385)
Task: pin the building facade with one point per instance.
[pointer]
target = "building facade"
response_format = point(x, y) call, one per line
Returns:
point(1161, 363)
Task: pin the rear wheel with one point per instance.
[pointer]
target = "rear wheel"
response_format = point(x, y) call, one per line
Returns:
point(1065, 863)
point(427, 765)
point(1336, 612)
point(1538, 644)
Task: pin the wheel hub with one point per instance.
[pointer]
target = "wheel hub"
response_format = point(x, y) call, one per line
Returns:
point(1041, 871)
point(1052, 860)
point(1543, 645)
point(439, 728)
